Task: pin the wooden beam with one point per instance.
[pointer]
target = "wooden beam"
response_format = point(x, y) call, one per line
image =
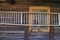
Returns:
point(27, 33)
point(51, 33)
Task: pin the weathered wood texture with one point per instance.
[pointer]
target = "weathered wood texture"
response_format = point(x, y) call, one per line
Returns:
point(27, 33)
point(15, 7)
point(51, 33)
point(10, 27)
point(24, 6)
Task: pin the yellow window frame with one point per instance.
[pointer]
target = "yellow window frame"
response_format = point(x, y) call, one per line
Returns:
point(31, 8)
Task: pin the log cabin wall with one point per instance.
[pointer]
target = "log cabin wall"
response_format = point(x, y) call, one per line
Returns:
point(21, 6)
point(18, 6)
point(24, 6)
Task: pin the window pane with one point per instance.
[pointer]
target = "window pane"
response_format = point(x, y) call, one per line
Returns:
point(43, 19)
point(35, 21)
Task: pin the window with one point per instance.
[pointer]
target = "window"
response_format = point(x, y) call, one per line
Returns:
point(40, 18)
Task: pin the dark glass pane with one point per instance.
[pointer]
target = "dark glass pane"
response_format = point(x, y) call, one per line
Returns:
point(35, 21)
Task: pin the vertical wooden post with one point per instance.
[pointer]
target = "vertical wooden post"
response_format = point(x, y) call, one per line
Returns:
point(48, 19)
point(30, 20)
point(26, 33)
point(51, 33)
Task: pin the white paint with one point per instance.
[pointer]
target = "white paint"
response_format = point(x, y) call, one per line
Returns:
point(59, 18)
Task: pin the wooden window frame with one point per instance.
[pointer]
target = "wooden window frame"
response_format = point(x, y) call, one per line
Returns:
point(41, 8)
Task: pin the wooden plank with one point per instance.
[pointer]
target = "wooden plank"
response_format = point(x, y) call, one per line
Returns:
point(11, 31)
